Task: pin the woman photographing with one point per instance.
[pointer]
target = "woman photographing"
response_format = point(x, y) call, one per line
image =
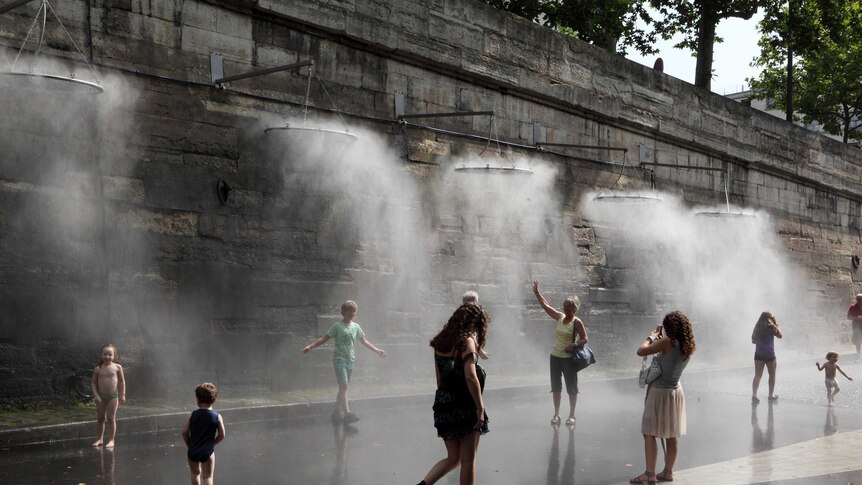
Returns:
point(664, 406)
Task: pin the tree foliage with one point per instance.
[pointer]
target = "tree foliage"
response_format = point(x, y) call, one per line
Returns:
point(609, 24)
point(617, 25)
point(825, 39)
point(697, 22)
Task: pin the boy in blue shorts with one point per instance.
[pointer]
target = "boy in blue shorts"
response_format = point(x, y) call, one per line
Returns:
point(203, 430)
point(346, 333)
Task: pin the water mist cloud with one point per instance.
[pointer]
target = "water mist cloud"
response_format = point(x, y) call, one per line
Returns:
point(722, 271)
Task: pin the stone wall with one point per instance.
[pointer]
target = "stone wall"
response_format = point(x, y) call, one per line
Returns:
point(111, 228)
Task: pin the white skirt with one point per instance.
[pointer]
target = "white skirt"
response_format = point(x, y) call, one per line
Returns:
point(664, 413)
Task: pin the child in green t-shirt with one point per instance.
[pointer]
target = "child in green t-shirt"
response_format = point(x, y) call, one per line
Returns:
point(346, 333)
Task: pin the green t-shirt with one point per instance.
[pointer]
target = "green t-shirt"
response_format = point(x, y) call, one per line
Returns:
point(345, 337)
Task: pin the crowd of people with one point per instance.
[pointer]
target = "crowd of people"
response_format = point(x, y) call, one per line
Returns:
point(460, 417)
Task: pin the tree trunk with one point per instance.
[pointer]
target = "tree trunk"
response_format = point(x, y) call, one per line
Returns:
point(846, 121)
point(705, 42)
point(788, 96)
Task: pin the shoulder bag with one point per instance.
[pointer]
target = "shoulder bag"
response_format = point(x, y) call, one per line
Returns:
point(583, 357)
point(650, 372)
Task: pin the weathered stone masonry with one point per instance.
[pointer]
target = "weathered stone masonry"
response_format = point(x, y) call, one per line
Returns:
point(126, 241)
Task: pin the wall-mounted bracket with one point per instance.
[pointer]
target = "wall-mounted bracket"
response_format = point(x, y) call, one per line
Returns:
point(219, 80)
point(401, 116)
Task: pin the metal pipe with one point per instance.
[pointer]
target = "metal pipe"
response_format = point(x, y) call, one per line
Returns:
point(690, 167)
point(13, 5)
point(590, 147)
point(262, 72)
point(445, 115)
point(515, 145)
point(468, 136)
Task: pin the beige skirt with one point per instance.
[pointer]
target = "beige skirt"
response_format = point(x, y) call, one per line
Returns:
point(664, 413)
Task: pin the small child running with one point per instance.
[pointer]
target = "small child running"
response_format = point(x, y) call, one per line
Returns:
point(830, 366)
point(108, 386)
point(203, 430)
point(345, 332)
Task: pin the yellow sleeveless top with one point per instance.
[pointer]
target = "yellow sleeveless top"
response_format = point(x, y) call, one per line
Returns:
point(563, 337)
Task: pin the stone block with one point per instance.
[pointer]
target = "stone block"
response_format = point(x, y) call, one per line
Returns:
point(324, 14)
point(246, 201)
point(200, 14)
point(174, 224)
point(172, 135)
point(431, 49)
point(619, 256)
point(234, 24)
point(141, 27)
point(799, 244)
point(411, 16)
point(204, 42)
point(124, 189)
point(766, 194)
point(220, 164)
point(123, 5)
point(608, 295)
point(427, 150)
point(652, 97)
point(270, 56)
point(460, 34)
point(719, 124)
point(180, 187)
point(376, 33)
point(474, 100)
point(73, 15)
point(159, 10)
point(451, 221)
point(298, 293)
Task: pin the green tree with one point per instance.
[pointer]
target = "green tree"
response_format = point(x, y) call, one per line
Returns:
point(697, 22)
point(609, 24)
point(824, 84)
point(617, 25)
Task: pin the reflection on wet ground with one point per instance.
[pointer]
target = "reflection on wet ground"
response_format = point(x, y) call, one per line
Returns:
point(398, 445)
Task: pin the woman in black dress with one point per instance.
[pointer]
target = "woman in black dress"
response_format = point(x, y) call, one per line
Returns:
point(459, 411)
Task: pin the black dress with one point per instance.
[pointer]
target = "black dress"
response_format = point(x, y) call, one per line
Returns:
point(454, 409)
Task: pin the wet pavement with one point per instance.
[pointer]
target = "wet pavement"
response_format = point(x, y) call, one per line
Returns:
point(796, 440)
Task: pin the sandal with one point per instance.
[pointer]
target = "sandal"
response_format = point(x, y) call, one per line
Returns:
point(664, 476)
point(570, 422)
point(555, 421)
point(644, 479)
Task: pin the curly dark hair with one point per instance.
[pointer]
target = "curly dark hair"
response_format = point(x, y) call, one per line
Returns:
point(678, 327)
point(467, 320)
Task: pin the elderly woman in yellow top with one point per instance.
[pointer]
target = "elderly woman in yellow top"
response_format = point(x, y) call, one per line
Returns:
point(565, 342)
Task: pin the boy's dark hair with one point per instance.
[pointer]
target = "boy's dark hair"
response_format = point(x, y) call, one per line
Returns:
point(830, 355)
point(206, 393)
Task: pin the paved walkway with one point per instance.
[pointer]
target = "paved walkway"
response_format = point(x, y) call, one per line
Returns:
point(795, 441)
point(812, 459)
